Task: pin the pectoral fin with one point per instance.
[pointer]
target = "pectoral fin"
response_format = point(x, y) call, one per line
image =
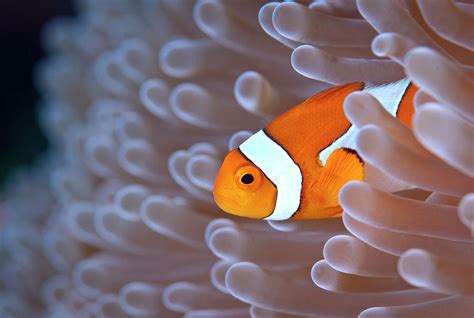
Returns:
point(342, 166)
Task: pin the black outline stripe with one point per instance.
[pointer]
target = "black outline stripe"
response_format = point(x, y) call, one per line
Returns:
point(353, 151)
point(401, 99)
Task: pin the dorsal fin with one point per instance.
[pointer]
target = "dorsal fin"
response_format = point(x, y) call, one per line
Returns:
point(313, 125)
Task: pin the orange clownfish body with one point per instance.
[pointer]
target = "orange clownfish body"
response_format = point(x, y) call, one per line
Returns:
point(295, 166)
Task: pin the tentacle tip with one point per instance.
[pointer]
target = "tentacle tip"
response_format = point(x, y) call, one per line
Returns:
point(374, 312)
point(303, 58)
point(466, 211)
point(283, 226)
point(352, 192)
point(418, 55)
point(381, 46)
point(414, 264)
point(208, 13)
point(249, 90)
point(265, 10)
point(244, 278)
point(287, 18)
point(226, 243)
point(369, 136)
point(355, 103)
point(316, 272)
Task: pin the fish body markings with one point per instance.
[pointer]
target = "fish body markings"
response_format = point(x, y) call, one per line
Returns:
point(298, 163)
point(389, 96)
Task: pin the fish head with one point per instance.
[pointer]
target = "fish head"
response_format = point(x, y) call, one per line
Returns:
point(242, 189)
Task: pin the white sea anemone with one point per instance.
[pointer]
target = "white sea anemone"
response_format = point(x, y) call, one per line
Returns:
point(142, 99)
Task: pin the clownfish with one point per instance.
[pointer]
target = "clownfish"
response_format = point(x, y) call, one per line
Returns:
point(296, 165)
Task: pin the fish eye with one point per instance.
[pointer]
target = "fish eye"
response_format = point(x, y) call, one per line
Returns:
point(247, 178)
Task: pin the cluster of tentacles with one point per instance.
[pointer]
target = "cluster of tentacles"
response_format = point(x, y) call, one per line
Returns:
point(143, 98)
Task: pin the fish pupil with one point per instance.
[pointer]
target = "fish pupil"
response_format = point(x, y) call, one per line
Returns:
point(247, 178)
